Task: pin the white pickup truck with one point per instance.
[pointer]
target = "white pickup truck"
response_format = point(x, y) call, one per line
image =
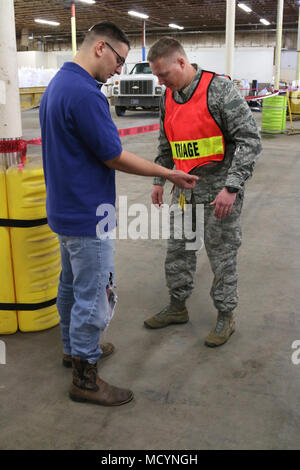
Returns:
point(137, 90)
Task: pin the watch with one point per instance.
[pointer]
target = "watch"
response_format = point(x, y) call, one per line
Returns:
point(231, 189)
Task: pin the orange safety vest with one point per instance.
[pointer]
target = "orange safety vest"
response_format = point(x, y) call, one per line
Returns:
point(194, 136)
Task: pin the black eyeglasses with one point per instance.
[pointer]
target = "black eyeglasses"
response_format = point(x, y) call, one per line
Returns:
point(120, 59)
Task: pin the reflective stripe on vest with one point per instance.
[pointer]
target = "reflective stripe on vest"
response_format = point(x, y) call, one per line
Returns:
point(194, 136)
point(200, 148)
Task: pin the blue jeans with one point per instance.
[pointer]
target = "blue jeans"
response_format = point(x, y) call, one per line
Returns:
point(82, 298)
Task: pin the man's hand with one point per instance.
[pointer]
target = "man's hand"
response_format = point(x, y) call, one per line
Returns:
point(157, 195)
point(223, 202)
point(181, 179)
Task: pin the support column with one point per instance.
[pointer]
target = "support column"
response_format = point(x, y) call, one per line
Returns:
point(144, 41)
point(278, 43)
point(24, 43)
point(230, 32)
point(298, 53)
point(10, 111)
point(73, 29)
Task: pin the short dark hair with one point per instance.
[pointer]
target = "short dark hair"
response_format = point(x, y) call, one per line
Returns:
point(108, 29)
point(164, 47)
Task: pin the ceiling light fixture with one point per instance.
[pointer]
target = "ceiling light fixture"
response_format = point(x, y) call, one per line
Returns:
point(266, 22)
point(139, 15)
point(52, 23)
point(175, 26)
point(244, 7)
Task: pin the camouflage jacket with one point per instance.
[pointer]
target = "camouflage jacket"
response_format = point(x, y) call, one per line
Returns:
point(243, 145)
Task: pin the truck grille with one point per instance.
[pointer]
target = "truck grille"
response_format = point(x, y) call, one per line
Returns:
point(136, 87)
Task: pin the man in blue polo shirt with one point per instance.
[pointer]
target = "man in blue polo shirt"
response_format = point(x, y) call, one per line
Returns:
point(81, 151)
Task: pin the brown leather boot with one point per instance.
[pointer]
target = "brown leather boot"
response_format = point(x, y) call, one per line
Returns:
point(88, 387)
point(224, 328)
point(107, 350)
point(167, 316)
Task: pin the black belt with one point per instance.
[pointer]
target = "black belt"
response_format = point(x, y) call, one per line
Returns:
point(22, 223)
point(23, 306)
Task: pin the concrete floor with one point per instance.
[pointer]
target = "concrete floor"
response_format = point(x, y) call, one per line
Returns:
point(244, 395)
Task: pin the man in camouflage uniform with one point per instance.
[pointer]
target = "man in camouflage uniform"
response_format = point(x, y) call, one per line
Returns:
point(220, 188)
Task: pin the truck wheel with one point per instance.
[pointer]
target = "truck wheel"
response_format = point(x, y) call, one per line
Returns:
point(120, 110)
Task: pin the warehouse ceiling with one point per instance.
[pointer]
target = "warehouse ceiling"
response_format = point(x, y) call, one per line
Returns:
point(193, 15)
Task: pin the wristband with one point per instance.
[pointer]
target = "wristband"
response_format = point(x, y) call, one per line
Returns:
point(231, 189)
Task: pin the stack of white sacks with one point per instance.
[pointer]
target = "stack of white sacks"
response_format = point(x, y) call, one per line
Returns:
point(29, 77)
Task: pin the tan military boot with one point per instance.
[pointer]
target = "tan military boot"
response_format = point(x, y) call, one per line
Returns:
point(224, 328)
point(87, 386)
point(168, 316)
point(107, 350)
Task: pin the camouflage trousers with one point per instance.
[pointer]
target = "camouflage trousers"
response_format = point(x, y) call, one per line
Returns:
point(222, 238)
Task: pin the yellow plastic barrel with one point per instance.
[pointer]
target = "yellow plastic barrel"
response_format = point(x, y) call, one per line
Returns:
point(35, 250)
point(295, 102)
point(8, 318)
point(274, 115)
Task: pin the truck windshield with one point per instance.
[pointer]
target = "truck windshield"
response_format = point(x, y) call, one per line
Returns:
point(141, 68)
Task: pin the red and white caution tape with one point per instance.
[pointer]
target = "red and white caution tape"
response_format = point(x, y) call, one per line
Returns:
point(138, 130)
point(261, 97)
point(18, 146)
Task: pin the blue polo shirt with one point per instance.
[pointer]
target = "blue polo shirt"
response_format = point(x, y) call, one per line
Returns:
point(78, 135)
